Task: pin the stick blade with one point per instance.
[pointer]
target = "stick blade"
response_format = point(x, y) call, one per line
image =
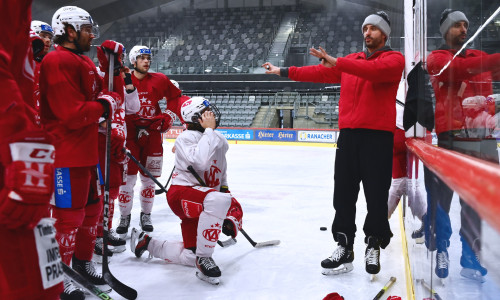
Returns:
point(124, 290)
point(267, 244)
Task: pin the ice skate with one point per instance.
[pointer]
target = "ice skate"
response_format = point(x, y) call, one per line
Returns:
point(442, 264)
point(341, 259)
point(372, 256)
point(117, 244)
point(472, 268)
point(139, 242)
point(418, 235)
point(98, 248)
point(71, 292)
point(122, 228)
point(87, 269)
point(146, 223)
point(207, 270)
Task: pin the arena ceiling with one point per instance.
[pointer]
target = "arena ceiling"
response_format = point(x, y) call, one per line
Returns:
point(100, 9)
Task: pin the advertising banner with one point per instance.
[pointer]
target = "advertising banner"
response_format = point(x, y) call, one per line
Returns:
point(276, 135)
point(237, 134)
point(173, 133)
point(318, 136)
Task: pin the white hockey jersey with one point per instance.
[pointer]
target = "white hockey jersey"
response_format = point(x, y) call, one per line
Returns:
point(206, 152)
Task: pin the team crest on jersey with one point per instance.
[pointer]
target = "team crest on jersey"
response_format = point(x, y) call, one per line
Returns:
point(212, 234)
point(147, 108)
point(211, 176)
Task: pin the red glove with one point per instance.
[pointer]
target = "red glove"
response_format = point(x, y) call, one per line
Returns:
point(110, 46)
point(28, 159)
point(234, 219)
point(333, 296)
point(163, 122)
point(110, 101)
point(37, 45)
point(118, 143)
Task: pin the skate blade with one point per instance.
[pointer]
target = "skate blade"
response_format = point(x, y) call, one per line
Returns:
point(123, 236)
point(133, 238)
point(472, 274)
point(443, 281)
point(372, 277)
point(118, 249)
point(420, 240)
point(345, 268)
point(211, 280)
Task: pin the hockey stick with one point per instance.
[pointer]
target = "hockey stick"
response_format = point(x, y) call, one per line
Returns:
point(127, 152)
point(122, 289)
point(162, 190)
point(433, 292)
point(94, 290)
point(227, 243)
point(254, 244)
point(385, 288)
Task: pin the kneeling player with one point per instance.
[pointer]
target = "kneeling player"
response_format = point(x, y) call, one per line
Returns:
point(204, 211)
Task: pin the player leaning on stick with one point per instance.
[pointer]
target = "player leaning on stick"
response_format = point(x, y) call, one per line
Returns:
point(144, 140)
point(71, 102)
point(367, 114)
point(27, 170)
point(204, 211)
point(118, 163)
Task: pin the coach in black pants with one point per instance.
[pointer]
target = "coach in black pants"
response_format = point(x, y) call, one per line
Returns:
point(367, 116)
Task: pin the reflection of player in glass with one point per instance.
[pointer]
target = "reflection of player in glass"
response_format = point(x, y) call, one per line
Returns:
point(468, 75)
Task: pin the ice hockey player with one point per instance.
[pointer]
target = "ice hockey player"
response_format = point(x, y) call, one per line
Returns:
point(144, 140)
point(26, 165)
point(44, 32)
point(122, 77)
point(204, 210)
point(71, 102)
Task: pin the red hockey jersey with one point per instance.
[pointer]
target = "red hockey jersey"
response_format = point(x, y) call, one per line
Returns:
point(69, 85)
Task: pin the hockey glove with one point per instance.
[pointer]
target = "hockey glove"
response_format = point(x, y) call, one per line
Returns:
point(118, 143)
point(37, 45)
point(110, 46)
point(163, 122)
point(234, 219)
point(28, 160)
point(110, 101)
point(333, 296)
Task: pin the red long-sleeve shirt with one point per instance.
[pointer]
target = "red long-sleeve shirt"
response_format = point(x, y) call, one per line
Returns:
point(368, 87)
point(69, 85)
point(469, 74)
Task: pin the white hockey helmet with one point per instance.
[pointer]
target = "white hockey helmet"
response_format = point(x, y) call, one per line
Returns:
point(39, 26)
point(75, 16)
point(136, 51)
point(174, 83)
point(192, 109)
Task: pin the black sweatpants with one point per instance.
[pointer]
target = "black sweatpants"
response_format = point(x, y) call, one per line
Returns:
point(363, 155)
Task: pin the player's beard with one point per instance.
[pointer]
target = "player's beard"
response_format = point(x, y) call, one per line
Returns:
point(375, 43)
point(142, 70)
point(83, 44)
point(459, 41)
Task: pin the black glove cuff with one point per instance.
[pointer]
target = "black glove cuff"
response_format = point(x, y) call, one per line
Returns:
point(128, 78)
point(284, 72)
